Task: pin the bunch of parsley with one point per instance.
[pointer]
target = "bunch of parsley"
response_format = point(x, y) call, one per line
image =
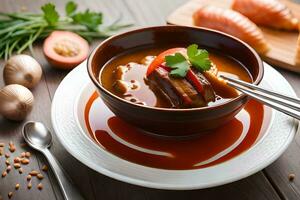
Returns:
point(18, 31)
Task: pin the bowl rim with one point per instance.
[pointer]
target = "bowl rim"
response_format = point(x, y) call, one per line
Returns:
point(103, 89)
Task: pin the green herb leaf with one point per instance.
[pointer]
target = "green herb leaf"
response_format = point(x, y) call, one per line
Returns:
point(198, 58)
point(50, 14)
point(89, 19)
point(71, 7)
point(19, 31)
point(179, 65)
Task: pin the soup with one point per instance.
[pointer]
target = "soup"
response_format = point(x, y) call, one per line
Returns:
point(142, 76)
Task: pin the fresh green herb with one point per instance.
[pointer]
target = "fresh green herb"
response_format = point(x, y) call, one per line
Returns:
point(178, 63)
point(71, 7)
point(198, 58)
point(89, 19)
point(50, 14)
point(18, 31)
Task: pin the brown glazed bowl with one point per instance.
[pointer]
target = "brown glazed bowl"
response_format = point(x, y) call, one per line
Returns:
point(168, 121)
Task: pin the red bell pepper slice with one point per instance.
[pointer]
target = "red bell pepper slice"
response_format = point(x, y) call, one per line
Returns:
point(192, 77)
point(161, 59)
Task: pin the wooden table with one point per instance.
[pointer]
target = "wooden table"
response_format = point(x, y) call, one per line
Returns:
point(270, 183)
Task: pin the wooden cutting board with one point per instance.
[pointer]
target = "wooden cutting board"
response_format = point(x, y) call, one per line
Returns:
point(283, 44)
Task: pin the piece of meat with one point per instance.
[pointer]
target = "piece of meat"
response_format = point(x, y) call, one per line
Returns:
point(220, 85)
point(207, 90)
point(180, 92)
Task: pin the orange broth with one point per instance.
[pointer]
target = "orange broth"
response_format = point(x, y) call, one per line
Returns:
point(226, 66)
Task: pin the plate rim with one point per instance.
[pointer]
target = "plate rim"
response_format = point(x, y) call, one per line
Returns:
point(144, 183)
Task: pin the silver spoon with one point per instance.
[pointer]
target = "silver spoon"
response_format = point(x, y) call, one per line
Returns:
point(39, 137)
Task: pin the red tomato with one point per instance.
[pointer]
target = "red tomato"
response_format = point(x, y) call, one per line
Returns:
point(161, 58)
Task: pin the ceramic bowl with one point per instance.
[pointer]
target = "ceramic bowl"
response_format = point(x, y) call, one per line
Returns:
point(168, 121)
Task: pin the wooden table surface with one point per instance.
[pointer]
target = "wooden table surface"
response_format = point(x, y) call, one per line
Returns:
point(270, 183)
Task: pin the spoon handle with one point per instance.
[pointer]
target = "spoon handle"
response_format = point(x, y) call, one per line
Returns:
point(67, 188)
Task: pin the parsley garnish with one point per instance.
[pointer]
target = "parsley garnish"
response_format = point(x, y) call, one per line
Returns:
point(198, 58)
point(179, 65)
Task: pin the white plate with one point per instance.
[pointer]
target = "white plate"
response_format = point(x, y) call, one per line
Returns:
point(68, 122)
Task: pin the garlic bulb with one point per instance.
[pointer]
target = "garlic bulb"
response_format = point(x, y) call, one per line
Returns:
point(16, 102)
point(22, 69)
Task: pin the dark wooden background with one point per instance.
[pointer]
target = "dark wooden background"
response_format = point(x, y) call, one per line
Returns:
point(270, 183)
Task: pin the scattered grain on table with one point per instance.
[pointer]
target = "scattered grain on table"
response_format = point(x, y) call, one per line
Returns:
point(292, 177)
point(23, 154)
point(45, 168)
point(17, 160)
point(27, 154)
point(34, 173)
point(29, 186)
point(21, 170)
point(28, 177)
point(4, 174)
point(8, 168)
point(10, 194)
point(40, 176)
point(7, 162)
point(40, 186)
point(17, 165)
point(25, 161)
point(12, 147)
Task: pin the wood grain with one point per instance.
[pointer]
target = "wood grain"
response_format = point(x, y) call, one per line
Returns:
point(11, 131)
point(289, 162)
point(283, 44)
point(255, 187)
point(96, 186)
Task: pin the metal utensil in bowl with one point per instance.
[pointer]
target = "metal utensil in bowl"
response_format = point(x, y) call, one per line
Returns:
point(283, 103)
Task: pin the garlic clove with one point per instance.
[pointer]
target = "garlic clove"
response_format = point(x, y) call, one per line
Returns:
point(22, 69)
point(16, 102)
